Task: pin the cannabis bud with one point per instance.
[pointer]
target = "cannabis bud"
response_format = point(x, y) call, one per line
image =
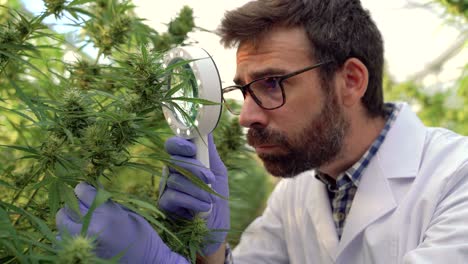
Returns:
point(74, 116)
point(55, 7)
point(77, 250)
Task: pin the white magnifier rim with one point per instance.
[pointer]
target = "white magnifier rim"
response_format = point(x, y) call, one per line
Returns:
point(209, 88)
point(208, 82)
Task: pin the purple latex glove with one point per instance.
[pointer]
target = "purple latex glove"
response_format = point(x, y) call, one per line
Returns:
point(183, 198)
point(117, 230)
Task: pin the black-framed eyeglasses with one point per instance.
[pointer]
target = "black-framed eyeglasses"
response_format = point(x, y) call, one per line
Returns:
point(267, 92)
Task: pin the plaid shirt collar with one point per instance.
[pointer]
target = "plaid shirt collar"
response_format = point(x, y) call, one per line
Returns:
point(354, 173)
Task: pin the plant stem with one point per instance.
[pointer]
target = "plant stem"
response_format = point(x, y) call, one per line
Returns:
point(10, 261)
point(98, 57)
point(29, 200)
point(17, 195)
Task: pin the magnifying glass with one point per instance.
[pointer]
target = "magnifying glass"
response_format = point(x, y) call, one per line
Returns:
point(193, 75)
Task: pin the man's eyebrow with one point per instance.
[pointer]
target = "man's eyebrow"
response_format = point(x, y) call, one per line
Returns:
point(261, 73)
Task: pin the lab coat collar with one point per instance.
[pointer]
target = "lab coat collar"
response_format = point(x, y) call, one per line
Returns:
point(398, 157)
point(320, 212)
point(401, 151)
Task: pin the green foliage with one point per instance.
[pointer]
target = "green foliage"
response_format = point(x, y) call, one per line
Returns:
point(93, 119)
point(192, 232)
point(177, 31)
point(96, 119)
point(249, 183)
point(445, 106)
point(111, 25)
point(456, 7)
point(55, 7)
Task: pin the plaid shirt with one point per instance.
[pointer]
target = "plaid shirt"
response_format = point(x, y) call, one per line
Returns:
point(341, 192)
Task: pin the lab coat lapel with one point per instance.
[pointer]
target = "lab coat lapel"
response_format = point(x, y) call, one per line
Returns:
point(321, 214)
point(373, 199)
point(398, 157)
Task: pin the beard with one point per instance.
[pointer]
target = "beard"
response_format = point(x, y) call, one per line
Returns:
point(317, 144)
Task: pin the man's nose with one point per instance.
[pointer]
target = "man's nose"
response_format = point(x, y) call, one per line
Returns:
point(252, 114)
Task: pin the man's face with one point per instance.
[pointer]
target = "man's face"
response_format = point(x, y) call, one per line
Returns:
point(318, 143)
point(308, 131)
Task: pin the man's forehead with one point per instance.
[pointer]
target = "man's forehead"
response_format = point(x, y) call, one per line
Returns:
point(253, 61)
point(288, 41)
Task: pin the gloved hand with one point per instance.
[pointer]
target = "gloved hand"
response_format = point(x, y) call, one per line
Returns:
point(183, 198)
point(117, 230)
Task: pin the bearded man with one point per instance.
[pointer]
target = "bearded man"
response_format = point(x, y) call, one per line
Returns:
point(364, 181)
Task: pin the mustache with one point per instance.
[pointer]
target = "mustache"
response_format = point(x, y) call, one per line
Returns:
point(264, 136)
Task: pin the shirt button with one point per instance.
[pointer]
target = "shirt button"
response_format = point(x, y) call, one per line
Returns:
point(340, 216)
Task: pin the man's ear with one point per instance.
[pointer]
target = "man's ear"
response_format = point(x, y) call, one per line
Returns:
point(355, 78)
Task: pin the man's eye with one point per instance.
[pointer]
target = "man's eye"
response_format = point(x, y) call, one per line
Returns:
point(270, 83)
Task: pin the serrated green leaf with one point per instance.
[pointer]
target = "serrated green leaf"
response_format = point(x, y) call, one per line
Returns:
point(8, 185)
point(80, 2)
point(37, 244)
point(152, 220)
point(101, 197)
point(6, 229)
point(68, 196)
point(22, 148)
point(18, 113)
point(194, 179)
point(41, 225)
point(13, 250)
point(146, 205)
point(20, 59)
point(193, 252)
point(19, 92)
point(141, 166)
point(54, 198)
point(45, 181)
point(195, 100)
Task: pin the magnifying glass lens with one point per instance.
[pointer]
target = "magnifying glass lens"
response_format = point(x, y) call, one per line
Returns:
point(183, 79)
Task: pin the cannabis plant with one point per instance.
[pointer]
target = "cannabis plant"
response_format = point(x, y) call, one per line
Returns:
point(95, 118)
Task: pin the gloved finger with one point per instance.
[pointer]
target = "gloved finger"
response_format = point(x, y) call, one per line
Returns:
point(183, 213)
point(194, 166)
point(173, 200)
point(73, 214)
point(216, 164)
point(85, 193)
point(181, 147)
point(180, 183)
point(112, 208)
point(66, 224)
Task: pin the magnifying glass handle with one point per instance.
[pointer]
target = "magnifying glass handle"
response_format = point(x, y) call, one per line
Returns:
point(204, 157)
point(201, 142)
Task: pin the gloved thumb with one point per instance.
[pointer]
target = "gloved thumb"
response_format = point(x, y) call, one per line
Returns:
point(86, 193)
point(216, 164)
point(180, 146)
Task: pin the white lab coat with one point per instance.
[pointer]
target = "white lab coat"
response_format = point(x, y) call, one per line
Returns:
point(411, 207)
